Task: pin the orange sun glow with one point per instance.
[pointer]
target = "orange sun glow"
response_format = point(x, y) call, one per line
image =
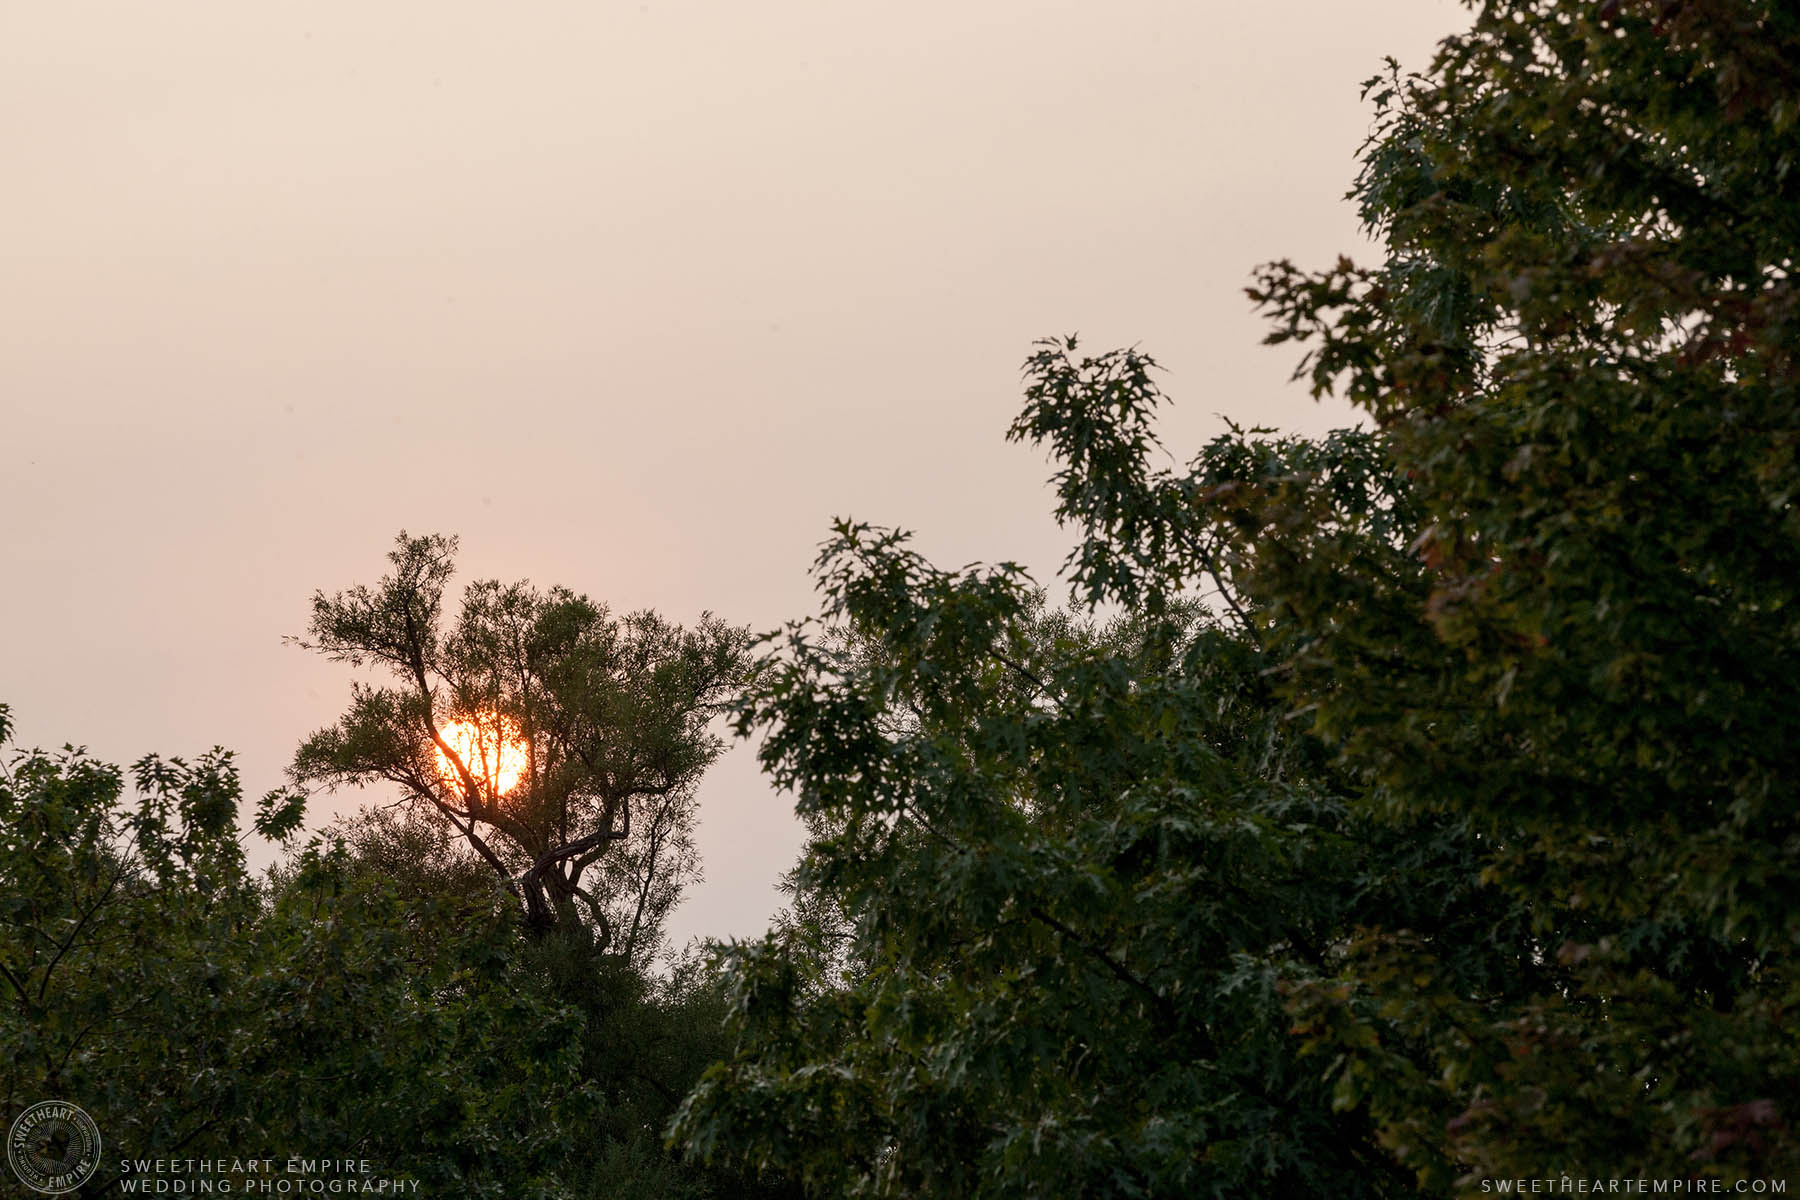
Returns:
point(493, 748)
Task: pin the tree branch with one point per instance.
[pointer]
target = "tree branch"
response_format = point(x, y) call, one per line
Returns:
point(74, 933)
point(1210, 566)
point(1042, 687)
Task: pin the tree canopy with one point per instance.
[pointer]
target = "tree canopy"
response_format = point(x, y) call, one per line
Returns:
point(1578, 355)
point(1388, 813)
point(561, 743)
point(1062, 872)
point(358, 1001)
point(1454, 839)
point(196, 1012)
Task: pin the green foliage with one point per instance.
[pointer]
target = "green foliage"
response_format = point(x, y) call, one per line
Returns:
point(195, 1013)
point(1461, 845)
point(372, 998)
point(637, 1041)
point(610, 716)
point(1579, 355)
point(1074, 856)
point(1423, 817)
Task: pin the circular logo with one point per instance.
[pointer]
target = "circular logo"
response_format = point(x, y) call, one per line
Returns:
point(53, 1147)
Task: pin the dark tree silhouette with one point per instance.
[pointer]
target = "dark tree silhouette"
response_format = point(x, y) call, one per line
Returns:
point(561, 743)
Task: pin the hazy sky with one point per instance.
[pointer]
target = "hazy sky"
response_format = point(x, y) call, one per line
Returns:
point(632, 297)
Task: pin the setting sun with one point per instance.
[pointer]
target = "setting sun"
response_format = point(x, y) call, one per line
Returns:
point(492, 747)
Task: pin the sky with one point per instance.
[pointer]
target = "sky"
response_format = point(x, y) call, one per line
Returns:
point(633, 298)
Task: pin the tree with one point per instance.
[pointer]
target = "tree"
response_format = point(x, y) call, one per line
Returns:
point(637, 1040)
point(563, 745)
point(1468, 823)
point(196, 1013)
point(1579, 355)
point(1073, 854)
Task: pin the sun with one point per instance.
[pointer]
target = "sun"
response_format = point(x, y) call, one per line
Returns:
point(492, 747)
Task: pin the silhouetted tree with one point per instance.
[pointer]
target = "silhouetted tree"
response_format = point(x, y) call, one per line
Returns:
point(561, 744)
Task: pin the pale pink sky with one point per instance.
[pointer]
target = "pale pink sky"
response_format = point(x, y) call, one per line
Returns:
point(631, 297)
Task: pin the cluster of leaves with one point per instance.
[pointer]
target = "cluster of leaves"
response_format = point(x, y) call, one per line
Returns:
point(1579, 355)
point(197, 1012)
point(608, 715)
point(1453, 839)
point(1423, 815)
point(374, 997)
point(1061, 873)
point(637, 1040)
